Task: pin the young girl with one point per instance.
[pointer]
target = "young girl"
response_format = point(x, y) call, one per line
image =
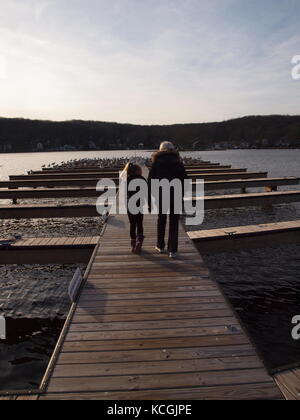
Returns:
point(134, 171)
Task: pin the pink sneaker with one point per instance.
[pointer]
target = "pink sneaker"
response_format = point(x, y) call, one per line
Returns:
point(133, 245)
point(139, 244)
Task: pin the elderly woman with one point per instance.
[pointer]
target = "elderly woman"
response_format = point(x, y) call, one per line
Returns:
point(166, 164)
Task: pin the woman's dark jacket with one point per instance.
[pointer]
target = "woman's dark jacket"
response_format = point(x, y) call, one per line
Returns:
point(166, 165)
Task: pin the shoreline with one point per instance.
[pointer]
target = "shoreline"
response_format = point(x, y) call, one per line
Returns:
point(147, 151)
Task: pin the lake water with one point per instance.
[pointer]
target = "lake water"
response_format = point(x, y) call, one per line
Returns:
point(277, 162)
point(263, 285)
point(20, 163)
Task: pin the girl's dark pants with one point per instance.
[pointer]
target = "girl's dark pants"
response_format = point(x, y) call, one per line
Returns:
point(136, 225)
point(173, 231)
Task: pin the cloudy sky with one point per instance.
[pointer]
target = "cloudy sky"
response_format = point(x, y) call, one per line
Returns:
point(148, 61)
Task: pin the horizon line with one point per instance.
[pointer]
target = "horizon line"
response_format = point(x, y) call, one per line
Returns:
point(150, 125)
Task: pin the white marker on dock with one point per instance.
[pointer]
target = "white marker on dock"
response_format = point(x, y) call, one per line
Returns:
point(2, 328)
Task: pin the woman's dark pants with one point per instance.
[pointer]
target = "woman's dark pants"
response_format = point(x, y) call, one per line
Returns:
point(173, 231)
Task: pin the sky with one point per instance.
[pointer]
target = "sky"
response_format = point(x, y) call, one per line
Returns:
point(148, 61)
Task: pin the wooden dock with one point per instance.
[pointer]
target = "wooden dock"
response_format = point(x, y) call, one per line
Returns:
point(250, 199)
point(241, 231)
point(146, 327)
point(49, 211)
point(270, 184)
point(241, 237)
point(107, 168)
point(289, 383)
point(99, 175)
point(64, 250)
point(92, 182)
point(103, 170)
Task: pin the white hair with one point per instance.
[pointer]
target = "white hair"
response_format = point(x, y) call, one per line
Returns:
point(167, 146)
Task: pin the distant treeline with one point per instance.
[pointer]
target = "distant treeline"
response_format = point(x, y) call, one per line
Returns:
point(22, 135)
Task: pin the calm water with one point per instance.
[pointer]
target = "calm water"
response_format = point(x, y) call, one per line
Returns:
point(20, 163)
point(263, 285)
point(35, 302)
point(277, 162)
point(27, 351)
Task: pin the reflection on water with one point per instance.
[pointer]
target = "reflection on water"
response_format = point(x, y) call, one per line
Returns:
point(25, 353)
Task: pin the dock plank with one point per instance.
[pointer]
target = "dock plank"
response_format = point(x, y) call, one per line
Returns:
point(289, 383)
point(160, 381)
point(179, 315)
point(161, 367)
point(229, 392)
point(152, 355)
point(244, 230)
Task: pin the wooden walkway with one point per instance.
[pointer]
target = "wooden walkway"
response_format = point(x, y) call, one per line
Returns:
point(147, 327)
point(289, 383)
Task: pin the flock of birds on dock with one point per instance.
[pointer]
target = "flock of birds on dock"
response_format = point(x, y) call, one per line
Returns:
point(109, 162)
